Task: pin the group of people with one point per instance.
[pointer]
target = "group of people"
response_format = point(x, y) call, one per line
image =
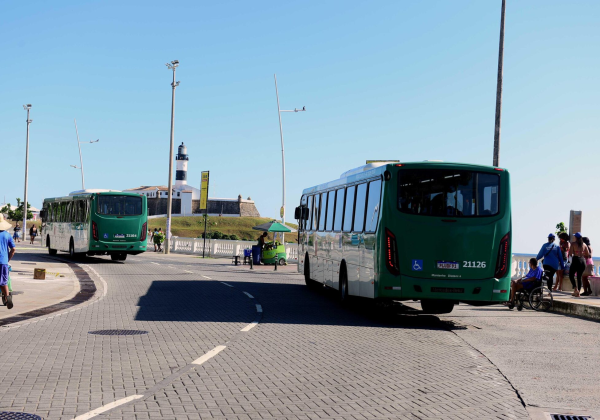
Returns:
point(157, 237)
point(33, 232)
point(565, 258)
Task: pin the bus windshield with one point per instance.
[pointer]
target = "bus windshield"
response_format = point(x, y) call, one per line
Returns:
point(119, 205)
point(448, 192)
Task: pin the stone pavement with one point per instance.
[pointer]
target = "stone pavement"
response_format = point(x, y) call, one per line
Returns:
point(584, 306)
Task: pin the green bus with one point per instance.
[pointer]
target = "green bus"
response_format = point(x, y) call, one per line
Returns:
point(96, 222)
point(430, 231)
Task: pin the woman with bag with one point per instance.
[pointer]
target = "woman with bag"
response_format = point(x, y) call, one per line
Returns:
point(579, 253)
point(589, 269)
point(564, 248)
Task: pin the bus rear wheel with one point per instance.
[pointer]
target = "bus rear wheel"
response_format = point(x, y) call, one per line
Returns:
point(50, 250)
point(343, 287)
point(118, 257)
point(437, 307)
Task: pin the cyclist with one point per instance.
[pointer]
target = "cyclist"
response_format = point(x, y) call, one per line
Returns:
point(527, 283)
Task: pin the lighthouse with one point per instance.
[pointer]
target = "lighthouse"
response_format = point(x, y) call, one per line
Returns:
point(182, 161)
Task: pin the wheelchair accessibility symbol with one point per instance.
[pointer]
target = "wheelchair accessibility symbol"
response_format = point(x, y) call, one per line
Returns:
point(417, 265)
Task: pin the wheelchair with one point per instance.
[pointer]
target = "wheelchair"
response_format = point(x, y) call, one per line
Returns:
point(539, 298)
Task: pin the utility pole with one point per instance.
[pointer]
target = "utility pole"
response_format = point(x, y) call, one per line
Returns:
point(279, 111)
point(499, 90)
point(24, 227)
point(80, 158)
point(171, 66)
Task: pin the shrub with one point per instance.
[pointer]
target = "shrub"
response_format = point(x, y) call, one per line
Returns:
point(217, 235)
point(234, 237)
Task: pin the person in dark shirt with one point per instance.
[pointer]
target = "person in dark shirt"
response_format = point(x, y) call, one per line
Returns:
point(526, 283)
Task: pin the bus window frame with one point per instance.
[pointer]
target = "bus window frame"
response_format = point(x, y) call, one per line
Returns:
point(353, 208)
point(343, 208)
point(323, 212)
point(366, 184)
point(327, 229)
point(308, 222)
point(378, 204)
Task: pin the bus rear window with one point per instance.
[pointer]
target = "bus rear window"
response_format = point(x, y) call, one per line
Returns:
point(447, 192)
point(119, 205)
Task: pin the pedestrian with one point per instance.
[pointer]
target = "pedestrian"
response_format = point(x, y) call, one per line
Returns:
point(159, 238)
point(17, 233)
point(7, 251)
point(564, 249)
point(528, 282)
point(552, 258)
point(153, 241)
point(589, 269)
point(579, 252)
point(33, 233)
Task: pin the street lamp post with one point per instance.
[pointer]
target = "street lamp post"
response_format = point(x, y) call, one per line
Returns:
point(171, 66)
point(80, 158)
point(26, 108)
point(499, 90)
point(279, 111)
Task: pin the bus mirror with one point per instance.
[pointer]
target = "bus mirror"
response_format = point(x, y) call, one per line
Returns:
point(43, 215)
point(304, 213)
point(298, 213)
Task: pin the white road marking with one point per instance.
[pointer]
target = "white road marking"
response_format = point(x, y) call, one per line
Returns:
point(152, 262)
point(209, 355)
point(107, 407)
point(188, 271)
point(226, 284)
point(258, 308)
point(207, 277)
point(249, 326)
point(249, 295)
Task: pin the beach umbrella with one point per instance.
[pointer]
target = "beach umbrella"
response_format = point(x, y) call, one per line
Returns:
point(274, 227)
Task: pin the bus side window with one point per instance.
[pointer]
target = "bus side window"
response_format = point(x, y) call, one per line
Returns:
point(69, 212)
point(310, 213)
point(359, 212)
point(330, 208)
point(373, 206)
point(323, 212)
point(315, 218)
point(62, 211)
point(339, 209)
point(349, 209)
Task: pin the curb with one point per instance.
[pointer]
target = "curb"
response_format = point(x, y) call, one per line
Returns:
point(577, 309)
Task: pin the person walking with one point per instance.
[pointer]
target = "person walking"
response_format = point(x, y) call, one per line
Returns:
point(7, 251)
point(589, 269)
point(579, 252)
point(552, 258)
point(153, 240)
point(32, 233)
point(564, 249)
point(17, 233)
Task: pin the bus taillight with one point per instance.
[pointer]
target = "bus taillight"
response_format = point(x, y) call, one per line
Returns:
point(144, 231)
point(391, 252)
point(95, 231)
point(503, 257)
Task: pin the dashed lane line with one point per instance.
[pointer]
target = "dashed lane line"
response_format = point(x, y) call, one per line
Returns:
point(249, 326)
point(207, 277)
point(258, 308)
point(107, 407)
point(249, 295)
point(209, 355)
point(226, 284)
point(152, 262)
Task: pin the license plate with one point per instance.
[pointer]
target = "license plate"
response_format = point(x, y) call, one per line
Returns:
point(119, 236)
point(448, 265)
point(448, 290)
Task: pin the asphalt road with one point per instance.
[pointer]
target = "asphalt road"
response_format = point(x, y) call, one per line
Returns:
point(226, 342)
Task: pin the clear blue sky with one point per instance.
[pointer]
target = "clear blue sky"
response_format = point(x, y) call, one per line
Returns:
point(381, 80)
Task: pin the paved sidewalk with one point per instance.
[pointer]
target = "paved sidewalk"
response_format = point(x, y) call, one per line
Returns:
point(584, 306)
point(29, 294)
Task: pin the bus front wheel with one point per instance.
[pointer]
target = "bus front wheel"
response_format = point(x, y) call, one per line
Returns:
point(309, 282)
point(437, 307)
point(50, 250)
point(343, 288)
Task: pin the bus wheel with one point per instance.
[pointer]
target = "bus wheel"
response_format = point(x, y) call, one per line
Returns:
point(72, 249)
point(50, 250)
point(343, 287)
point(309, 283)
point(281, 261)
point(437, 307)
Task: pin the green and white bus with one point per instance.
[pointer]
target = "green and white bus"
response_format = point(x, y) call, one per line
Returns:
point(430, 231)
point(96, 222)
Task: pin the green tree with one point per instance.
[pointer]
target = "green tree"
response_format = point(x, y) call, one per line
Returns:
point(16, 214)
point(560, 228)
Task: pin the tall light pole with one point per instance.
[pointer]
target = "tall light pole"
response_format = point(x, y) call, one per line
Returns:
point(24, 227)
point(171, 66)
point(499, 90)
point(279, 111)
point(80, 158)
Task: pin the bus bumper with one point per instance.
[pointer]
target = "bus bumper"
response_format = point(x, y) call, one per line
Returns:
point(132, 248)
point(477, 291)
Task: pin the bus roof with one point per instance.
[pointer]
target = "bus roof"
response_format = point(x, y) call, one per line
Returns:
point(375, 169)
point(88, 193)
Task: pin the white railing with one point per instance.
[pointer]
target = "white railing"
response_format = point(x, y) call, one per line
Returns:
point(520, 267)
point(222, 247)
